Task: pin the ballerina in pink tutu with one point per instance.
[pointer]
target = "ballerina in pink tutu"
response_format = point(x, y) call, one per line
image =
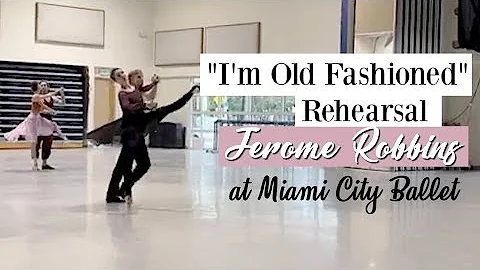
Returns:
point(34, 125)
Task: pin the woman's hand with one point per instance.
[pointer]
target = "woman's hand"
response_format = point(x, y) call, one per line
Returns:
point(155, 78)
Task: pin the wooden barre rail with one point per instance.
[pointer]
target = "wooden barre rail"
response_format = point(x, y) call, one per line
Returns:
point(4, 145)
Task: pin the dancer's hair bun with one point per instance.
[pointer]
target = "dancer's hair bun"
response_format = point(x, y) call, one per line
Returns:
point(34, 86)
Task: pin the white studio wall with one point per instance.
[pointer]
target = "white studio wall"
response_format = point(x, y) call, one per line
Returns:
point(288, 26)
point(125, 43)
point(236, 38)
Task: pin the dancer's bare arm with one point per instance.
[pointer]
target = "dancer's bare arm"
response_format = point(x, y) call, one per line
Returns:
point(38, 97)
point(151, 94)
point(152, 86)
point(59, 101)
point(148, 87)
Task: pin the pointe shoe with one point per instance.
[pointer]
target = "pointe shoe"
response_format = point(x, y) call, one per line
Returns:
point(195, 89)
point(129, 200)
point(126, 194)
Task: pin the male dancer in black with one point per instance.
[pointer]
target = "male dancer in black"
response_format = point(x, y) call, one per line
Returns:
point(133, 126)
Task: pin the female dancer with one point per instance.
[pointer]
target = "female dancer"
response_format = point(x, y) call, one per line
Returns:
point(149, 92)
point(34, 125)
point(45, 142)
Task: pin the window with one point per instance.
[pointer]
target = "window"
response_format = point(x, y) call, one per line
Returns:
point(206, 110)
point(196, 121)
point(213, 103)
point(267, 104)
point(236, 104)
point(289, 105)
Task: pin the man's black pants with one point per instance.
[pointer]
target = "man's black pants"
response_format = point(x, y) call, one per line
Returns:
point(44, 142)
point(133, 149)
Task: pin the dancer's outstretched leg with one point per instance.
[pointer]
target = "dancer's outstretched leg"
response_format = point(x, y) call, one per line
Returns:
point(160, 113)
point(59, 132)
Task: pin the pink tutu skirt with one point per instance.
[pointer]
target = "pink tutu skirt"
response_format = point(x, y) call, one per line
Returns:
point(32, 127)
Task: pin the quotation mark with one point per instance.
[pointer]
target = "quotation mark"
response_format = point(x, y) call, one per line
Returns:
point(212, 67)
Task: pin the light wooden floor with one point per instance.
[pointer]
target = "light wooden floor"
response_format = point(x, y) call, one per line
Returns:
point(26, 145)
point(182, 219)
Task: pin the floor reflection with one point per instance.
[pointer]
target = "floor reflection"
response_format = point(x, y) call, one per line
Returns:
point(183, 218)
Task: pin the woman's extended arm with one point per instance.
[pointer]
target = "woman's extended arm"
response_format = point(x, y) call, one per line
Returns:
point(60, 100)
point(38, 97)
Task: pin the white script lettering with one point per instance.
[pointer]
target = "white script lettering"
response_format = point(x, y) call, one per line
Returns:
point(257, 150)
point(444, 151)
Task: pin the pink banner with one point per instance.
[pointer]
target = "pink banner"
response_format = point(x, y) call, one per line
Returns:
point(270, 146)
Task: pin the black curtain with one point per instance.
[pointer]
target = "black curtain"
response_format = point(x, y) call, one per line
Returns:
point(16, 94)
point(418, 26)
point(469, 24)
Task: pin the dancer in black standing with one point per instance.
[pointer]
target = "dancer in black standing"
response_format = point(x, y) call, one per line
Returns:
point(133, 125)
